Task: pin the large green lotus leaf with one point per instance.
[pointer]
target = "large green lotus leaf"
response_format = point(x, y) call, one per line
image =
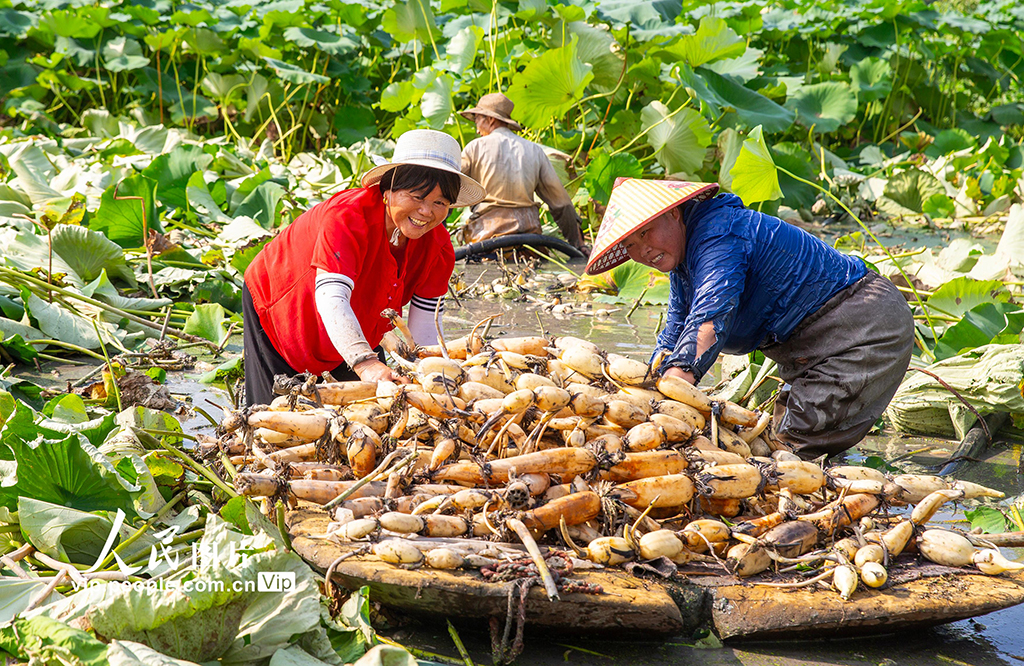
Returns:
point(205, 42)
point(63, 533)
point(353, 124)
point(262, 204)
point(16, 348)
point(124, 207)
point(754, 176)
point(679, 139)
point(59, 323)
point(436, 103)
point(950, 141)
point(17, 594)
point(603, 169)
point(209, 321)
point(987, 323)
point(406, 21)
point(632, 281)
point(9, 328)
point(962, 294)
point(906, 193)
point(714, 40)
point(40, 637)
point(743, 68)
point(328, 42)
point(399, 95)
point(751, 107)
point(798, 161)
point(89, 253)
point(15, 23)
point(871, 78)
point(460, 52)
point(79, 253)
point(101, 122)
point(825, 106)
point(294, 73)
point(34, 171)
point(223, 87)
point(71, 23)
point(172, 170)
point(200, 197)
point(597, 48)
point(642, 15)
point(730, 142)
point(68, 472)
point(123, 54)
point(549, 86)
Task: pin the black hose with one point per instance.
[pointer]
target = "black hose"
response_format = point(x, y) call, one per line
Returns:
point(533, 240)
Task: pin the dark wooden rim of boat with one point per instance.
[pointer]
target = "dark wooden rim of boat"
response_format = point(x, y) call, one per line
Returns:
point(923, 596)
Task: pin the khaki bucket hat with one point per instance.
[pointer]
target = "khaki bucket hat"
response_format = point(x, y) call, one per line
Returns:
point(494, 105)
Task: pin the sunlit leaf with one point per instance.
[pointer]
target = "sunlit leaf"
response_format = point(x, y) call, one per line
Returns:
point(436, 103)
point(549, 86)
point(989, 519)
point(906, 192)
point(406, 21)
point(461, 50)
point(871, 78)
point(679, 139)
point(126, 208)
point(121, 54)
point(825, 106)
point(754, 176)
point(604, 169)
point(987, 323)
point(962, 294)
point(209, 321)
point(714, 40)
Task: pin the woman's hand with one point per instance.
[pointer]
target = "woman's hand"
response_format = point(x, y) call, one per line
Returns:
point(680, 373)
point(373, 370)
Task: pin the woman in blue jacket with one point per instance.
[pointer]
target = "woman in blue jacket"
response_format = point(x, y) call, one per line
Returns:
point(842, 335)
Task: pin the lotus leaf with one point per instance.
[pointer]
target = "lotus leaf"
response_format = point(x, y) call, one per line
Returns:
point(871, 78)
point(406, 21)
point(714, 40)
point(122, 54)
point(63, 533)
point(794, 159)
point(754, 176)
point(679, 138)
point(750, 107)
point(824, 106)
point(598, 49)
point(549, 86)
point(328, 42)
point(960, 295)
point(436, 102)
point(604, 169)
point(16, 594)
point(42, 640)
point(130, 653)
point(995, 323)
point(906, 193)
point(461, 50)
point(66, 471)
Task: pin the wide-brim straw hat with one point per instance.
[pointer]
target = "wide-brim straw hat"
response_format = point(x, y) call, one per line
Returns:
point(494, 105)
point(430, 148)
point(634, 203)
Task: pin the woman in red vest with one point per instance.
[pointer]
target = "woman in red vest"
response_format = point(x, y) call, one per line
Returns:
point(313, 296)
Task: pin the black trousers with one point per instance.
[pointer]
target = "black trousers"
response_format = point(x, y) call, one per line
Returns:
point(262, 361)
point(842, 366)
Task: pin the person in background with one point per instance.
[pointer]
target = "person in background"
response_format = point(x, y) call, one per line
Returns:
point(313, 296)
point(511, 170)
point(842, 335)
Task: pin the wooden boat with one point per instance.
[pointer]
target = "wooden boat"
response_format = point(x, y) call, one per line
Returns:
point(922, 596)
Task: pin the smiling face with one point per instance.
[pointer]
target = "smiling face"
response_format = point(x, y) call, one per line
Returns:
point(660, 244)
point(415, 213)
